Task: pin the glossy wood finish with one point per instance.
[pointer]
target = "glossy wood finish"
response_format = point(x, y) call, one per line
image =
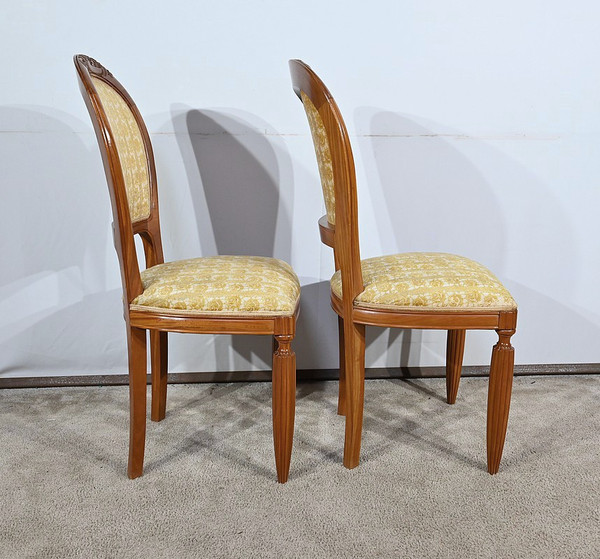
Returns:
point(343, 238)
point(354, 345)
point(501, 378)
point(159, 361)
point(159, 322)
point(455, 348)
point(284, 399)
point(203, 324)
point(327, 232)
point(136, 343)
point(342, 350)
point(387, 318)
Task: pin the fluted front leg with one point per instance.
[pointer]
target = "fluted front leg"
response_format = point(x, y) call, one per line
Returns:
point(354, 344)
point(501, 377)
point(158, 359)
point(342, 385)
point(136, 341)
point(284, 403)
point(455, 348)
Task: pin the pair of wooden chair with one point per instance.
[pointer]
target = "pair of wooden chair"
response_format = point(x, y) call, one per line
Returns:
point(258, 295)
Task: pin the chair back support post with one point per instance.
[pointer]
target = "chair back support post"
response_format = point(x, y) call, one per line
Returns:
point(344, 233)
point(124, 228)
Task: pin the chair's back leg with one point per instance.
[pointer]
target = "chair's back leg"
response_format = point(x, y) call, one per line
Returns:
point(455, 349)
point(159, 360)
point(284, 403)
point(342, 385)
point(501, 377)
point(136, 342)
point(354, 344)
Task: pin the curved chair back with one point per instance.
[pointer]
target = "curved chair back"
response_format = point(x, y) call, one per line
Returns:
point(339, 228)
point(129, 167)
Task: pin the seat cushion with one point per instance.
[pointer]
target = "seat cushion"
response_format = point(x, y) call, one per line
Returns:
point(422, 280)
point(239, 285)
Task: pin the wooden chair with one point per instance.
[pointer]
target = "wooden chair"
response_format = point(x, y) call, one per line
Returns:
point(411, 290)
point(209, 295)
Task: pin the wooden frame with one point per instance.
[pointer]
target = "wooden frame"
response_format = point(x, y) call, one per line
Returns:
point(282, 328)
point(343, 238)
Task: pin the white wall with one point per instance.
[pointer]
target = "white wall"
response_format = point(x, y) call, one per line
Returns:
point(475, 128)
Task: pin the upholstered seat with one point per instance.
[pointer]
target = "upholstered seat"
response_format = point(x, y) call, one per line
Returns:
point(238, 285)
point(428, 280)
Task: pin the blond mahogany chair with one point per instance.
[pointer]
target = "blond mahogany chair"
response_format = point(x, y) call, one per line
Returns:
point(208, 295)
point(411, 290)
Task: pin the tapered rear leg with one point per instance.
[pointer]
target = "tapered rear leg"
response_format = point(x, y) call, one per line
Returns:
point(284, 403)
point(136, 342)
point(342, 385)
point(501, 377)
point(455, 349)
point(354, 357)
point(159, 360)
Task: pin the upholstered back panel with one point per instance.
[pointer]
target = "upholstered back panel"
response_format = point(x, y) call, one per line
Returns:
point(323, 152)
point(130, 147)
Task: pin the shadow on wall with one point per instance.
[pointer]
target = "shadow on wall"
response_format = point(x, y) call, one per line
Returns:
point(428, 195)
point(578, 327)
point(55, 289)
point(241, 184)
point(422, 190)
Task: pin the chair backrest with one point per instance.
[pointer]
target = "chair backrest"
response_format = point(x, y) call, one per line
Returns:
point(339, 228)
point(129, 166)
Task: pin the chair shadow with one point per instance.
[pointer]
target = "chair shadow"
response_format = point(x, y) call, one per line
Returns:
point(57, 286)
point(422, 176)
point(204, 439)
point(229, 422)
point(236, 173)
point(70, 442)
point(256, 408)
point(417, 386)
point(239, 174)
point(392, 347)
point(426, 173)
point(395, 427)
point(316, 341)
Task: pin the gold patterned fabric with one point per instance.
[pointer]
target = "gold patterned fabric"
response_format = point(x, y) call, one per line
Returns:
point(319, 135)
point(130, 147)
point(238, 285)
point(428, 280)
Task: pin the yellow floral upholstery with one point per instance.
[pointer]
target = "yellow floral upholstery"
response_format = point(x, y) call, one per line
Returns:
point(130, 146)
point(238, 285)
point(428, 280)
point(317, 129)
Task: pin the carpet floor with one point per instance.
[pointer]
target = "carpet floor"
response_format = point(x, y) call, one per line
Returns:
point(209, 487)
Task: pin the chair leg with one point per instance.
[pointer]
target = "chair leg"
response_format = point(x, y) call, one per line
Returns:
point(136, 341)
point(354, 345)
point(455, 348)
point(342, 385)
point(501, 377)
point(284, 403)
point(158, 359)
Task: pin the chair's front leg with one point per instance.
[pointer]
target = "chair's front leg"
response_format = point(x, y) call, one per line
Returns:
point(455, 348)
point(501, 377)
point(354, 345)
point(342, 385)
point(158, 360)
point(284, 403)
point(136, 342)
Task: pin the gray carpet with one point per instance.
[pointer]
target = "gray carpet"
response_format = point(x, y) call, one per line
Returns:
point(209, 488)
